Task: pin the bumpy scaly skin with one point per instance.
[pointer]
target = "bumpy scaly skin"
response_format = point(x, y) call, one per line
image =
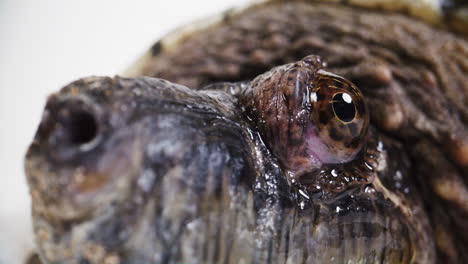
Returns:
point(171, 175)
point(415, 79)
point(148, 185)
point(165, 174)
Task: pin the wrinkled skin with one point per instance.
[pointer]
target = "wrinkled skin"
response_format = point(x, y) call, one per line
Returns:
point(414, 77)
point(143, 170)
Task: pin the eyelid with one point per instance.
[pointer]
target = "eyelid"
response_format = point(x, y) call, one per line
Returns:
point(325, 73)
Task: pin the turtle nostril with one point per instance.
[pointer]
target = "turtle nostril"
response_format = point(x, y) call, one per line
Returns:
point(81, 127)
point(69, 126)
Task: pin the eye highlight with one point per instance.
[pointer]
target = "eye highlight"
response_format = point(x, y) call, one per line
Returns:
point(343, 107)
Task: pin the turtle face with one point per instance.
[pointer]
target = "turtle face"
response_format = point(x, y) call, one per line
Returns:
point(128, 171)
point(308, 117)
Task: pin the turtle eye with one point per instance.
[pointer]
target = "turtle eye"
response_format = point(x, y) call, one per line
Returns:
point(339, 117)
point(343, 107)
point(306, 116)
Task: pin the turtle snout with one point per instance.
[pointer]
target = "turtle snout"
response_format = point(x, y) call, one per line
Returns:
point(69, 126)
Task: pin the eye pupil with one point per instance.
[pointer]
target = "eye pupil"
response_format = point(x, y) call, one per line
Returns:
point(343, 107)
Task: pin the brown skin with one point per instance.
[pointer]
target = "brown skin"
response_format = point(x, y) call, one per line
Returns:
point(415, 79)
point(297, 107)
point(124, 190)
point(416, 90)
point(141, 170)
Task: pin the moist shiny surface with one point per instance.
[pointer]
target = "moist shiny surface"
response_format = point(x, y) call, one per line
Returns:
point(295, 107)
point(198, 183)
point(415, 79)
point(175, 175)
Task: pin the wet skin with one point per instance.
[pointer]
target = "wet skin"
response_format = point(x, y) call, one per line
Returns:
point(146, 171)
point(414, 77)
point(361, 161)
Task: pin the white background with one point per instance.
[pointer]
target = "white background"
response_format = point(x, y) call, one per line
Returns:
point(45, 44)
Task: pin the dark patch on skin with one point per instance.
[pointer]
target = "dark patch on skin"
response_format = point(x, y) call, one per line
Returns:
point(292, 77)
point(323, 117)
point(335, 134)
point(295, 141)
point(352, 128)
point(354, 143)
point(156, 48)
point(33, 259)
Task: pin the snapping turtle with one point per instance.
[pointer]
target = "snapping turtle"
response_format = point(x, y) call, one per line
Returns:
point(356, 154)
